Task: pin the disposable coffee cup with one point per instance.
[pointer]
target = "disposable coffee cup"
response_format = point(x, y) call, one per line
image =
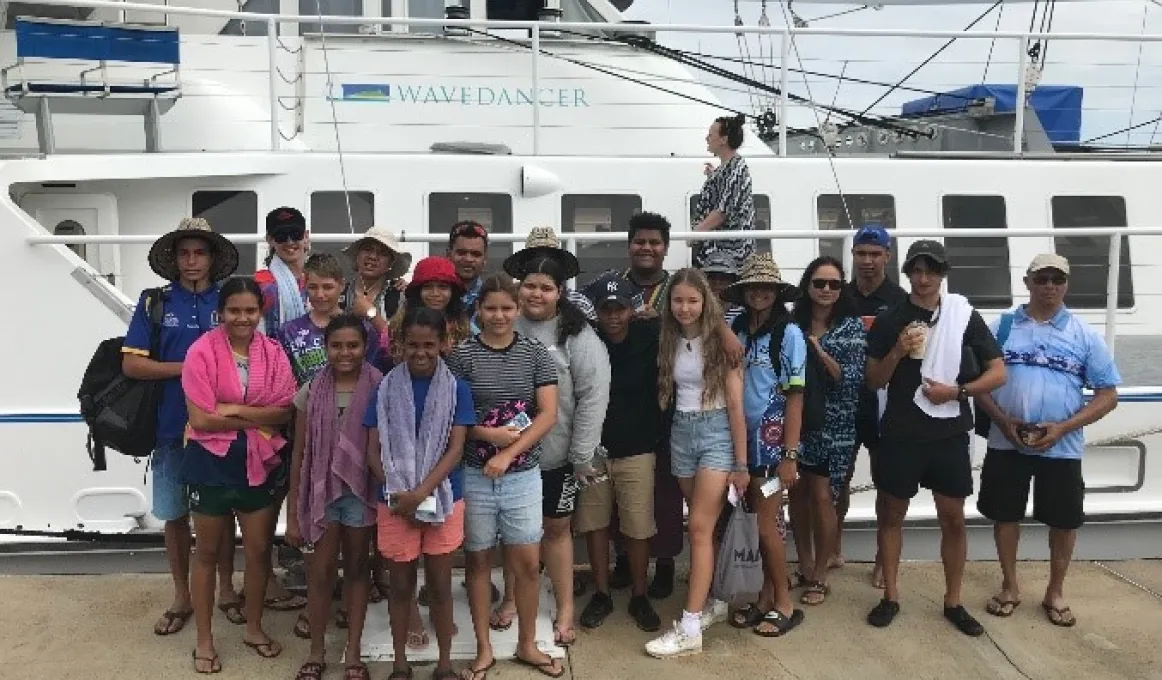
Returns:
point(921, 330)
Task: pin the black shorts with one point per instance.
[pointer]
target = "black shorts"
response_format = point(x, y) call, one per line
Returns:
point(943, 466)
point(559, 492)
point(1058, 492)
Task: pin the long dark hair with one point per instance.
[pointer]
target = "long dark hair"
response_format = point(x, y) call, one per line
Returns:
point(732, 127)
point(843, 307)
point(236, 285)
point(572, 320)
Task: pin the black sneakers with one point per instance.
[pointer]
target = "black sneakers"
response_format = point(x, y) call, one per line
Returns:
point(963, 621)
point(599, 608)
point(663, 584)
point(643, 614)
point(882, 614)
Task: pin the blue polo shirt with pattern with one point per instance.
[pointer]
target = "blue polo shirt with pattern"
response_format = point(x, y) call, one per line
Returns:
point(1048, 365)
point(187, 316)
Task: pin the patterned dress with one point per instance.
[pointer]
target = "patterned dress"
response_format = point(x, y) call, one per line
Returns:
point(728, 190)
point(834, 446)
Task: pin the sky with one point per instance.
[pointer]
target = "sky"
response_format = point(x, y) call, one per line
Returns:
point(1122, 80)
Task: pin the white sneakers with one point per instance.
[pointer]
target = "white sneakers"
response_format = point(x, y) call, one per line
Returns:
point(675, 642)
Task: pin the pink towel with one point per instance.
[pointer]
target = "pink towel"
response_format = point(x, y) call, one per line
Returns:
point(209, 377)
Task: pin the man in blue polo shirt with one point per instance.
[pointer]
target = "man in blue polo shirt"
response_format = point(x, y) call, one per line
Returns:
point(193, 259)
point(1038, 416)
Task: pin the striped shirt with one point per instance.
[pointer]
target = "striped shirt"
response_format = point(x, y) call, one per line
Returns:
point(727, 190)
point(503, 376)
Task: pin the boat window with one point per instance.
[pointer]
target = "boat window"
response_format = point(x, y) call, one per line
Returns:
point(493, 211)
point(980, 266)
point(862, 208)
point(762, 219)
point(595, 213)
point(329, 216)
point(240, 27)
point(71, 228)
point(231, 212)
point(423, 9)
point(1089, 256)
point(338, 8)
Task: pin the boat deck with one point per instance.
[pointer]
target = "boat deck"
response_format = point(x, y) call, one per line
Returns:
point(99, 627)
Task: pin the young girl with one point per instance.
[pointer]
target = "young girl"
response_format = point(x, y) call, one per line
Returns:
point(436, 286)
point(837, 339)
point(330, 487)
point(418, 425)
point(238, 386)
point(773, 402)
point(707, 441)
point(514, 389)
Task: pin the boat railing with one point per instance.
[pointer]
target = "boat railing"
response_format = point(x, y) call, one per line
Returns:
point(573, 240)
point(537, 31)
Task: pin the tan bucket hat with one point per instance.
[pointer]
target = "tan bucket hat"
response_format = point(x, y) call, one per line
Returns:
point(541, 242)
point(760, 269)
point(163, 258)
point(401, 260)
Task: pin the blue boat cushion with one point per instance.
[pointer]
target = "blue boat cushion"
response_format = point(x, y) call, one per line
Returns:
point(96, 42)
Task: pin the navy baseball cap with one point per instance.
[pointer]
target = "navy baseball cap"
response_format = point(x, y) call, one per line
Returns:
point(613, 288)
point(872, 234)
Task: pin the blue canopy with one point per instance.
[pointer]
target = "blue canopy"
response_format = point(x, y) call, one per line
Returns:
point(1058, 107)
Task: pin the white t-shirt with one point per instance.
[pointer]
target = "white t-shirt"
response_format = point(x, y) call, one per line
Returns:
point(688, 377)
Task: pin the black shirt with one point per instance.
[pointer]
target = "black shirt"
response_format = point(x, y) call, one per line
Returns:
point(903, 420)
point(633, 421)
point(868, 307)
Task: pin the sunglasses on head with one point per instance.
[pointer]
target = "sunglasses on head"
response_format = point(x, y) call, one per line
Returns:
point(1055, 279)
point(286, 234)
point(820, 284)
point(469, 229)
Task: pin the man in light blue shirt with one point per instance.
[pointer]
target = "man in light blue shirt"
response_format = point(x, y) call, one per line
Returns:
point(1038, 415)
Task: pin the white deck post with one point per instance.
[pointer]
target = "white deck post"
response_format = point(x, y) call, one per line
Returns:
point(272, 84)
point(1022, 94)
point(784, 50)
point(1112, 290)
point(536, 79)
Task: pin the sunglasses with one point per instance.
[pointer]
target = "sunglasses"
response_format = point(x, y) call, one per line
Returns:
point(286, 234)
point(469, 229)
point(1045, 279)
point(820, 284)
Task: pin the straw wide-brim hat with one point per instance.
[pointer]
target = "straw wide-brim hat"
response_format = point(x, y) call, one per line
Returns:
point(760, 269)
point(163, 257)
point(541, 242)
point(401, 260)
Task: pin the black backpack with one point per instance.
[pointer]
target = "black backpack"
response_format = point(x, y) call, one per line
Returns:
point(121, 412)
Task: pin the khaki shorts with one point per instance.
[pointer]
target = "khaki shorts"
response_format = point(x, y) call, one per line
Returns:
point(631, 487)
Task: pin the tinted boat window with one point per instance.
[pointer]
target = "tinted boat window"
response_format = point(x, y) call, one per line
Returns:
point(1089, 256)
point(329, 216)
point(232, 212)
point(861, 208)
point(593, 213)
point(980, 266)
point(493, 211)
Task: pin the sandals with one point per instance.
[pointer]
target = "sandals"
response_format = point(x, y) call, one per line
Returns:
point(169, 618)
point(796, 580)
point(267, 650)
point(285, 603)
point(418, 641)
point(302, 629)
point(782, 624)
point(474, 673)
point(542, 668)
point(233, 612)
point(500, 619)
point(564, 637)
point(215, 664)
point(815, 594)
point(311, 671)
point(1059, 617)
point(747, 617)
point(359, 671)
point(1001, 608)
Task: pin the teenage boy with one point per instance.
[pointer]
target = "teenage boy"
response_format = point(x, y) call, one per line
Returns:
point(631, 434)
point(918, 350)
point(193, 259)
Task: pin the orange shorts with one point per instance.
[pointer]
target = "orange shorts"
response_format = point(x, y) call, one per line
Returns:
point(402, 540)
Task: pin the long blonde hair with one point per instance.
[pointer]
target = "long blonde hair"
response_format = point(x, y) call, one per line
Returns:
point(714, 362)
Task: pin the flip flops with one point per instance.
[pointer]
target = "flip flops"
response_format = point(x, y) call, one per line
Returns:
point(311, 671)
point(233, 612)
point(1059, 617)
point(285, 603)
point(542, 668)
point(1001, 608)
point(215, 663)
point(267, 650)
point(169, 618)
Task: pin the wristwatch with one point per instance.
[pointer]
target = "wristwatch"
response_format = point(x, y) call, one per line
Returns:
point(791, 454)
point(962, 392)
point(372, 312)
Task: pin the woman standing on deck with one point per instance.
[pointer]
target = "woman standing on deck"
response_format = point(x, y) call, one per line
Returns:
point(239, 386)
point(726, 202)
point(514, 389)
point(582, 398)
point(837, 341)
point(331, 491)
point(707, 441)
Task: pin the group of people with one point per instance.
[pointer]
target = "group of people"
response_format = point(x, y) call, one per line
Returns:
point(403, 420)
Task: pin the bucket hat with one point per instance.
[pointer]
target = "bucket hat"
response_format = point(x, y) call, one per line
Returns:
point(436, 269)
point(760, 269)
point(541, 242)
point(163, 257)
point(401, 260)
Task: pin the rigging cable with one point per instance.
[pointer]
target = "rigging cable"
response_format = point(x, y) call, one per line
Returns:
point(1137, 72)
point(993, 44)
point(744, 51)
point(935, 54)
point(334, 115)
point(1152, 121)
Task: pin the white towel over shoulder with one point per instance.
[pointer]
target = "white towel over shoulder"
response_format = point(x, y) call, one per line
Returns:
point(943, 353)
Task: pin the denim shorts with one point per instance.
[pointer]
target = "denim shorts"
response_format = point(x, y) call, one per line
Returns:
point(169, 494)
point(349, 511)
point(508, 508)
point(700, 439)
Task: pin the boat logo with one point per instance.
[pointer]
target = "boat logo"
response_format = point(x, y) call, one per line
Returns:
point(464, 94)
